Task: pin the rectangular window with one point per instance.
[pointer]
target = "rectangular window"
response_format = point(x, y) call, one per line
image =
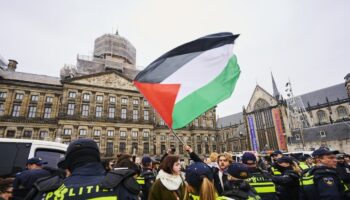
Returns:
point(162, 137)
point(49, 99)
point(99, 98)
point(122, 134)
point(10, 133)
point(86, 97)
point(181, 149)
point(162, 149)
point(124, 101)
point(31, 111)
point(72, 95)
point(19, 96)
point(134, 134)
point(98, 111)
point(27, 134)
point(71, 107)
point(3, 95)
point(34, 98)
point(146, 148)
point(97, 132)
point(134, 148)
point(109, 148)
point(198, 138)
point(67, 131)
point(82, 132)
point(122, 146)
point(110, 133)
point(47, 113)
point(111, 99)
point(135, 114)
point(15, 111)
point(203, 123)
point(111, 112)
point(199, 149)
point(161, 122)
point(135, 101)
point(172, 137)
point(2, 109)
point(145, 134)
point(123, 113)
point(85, 111)
point(145, 103)
point(196, 122)
point(145, 115)
point(43, 134)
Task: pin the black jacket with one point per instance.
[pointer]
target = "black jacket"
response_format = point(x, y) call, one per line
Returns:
point(287, 185)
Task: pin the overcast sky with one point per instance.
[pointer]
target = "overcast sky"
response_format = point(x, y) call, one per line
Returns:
point(307, 42)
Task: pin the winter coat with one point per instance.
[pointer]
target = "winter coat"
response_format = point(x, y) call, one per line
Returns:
point(167, 186)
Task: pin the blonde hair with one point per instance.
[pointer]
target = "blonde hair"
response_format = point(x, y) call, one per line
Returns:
point(213, 157)
point(207, 190)
point(227, 156)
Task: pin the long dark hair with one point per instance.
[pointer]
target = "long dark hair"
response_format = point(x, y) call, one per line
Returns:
point(168, 163)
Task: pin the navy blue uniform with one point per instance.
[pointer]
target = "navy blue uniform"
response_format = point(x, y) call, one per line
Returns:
point(89, 182)
point(323, 183)
point(24, 182)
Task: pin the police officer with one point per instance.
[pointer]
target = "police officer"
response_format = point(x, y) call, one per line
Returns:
point(274, 168)
point(147, 177)
point(88, 178)
point(302, 163)
point(239, 188)
point(322, 181)
point(24, 180)
point(343, 169)
point(262, 184)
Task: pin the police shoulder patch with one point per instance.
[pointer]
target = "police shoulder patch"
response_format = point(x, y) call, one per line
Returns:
point(328, 180)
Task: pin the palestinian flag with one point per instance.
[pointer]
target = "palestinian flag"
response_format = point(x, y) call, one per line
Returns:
point(190, 79)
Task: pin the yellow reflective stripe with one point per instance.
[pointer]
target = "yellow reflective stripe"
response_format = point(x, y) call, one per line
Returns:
point(275, 171)
point(268, 189)
point(105, 198)
point(194, 197)
point(140, 180)
point(346, 188)
point(303, 165)
point(262, 184)
point(309, 180)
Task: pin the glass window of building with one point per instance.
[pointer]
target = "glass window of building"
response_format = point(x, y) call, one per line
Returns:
point(134, 148)
point(145, 134)
point(145, 103)
point(2, 109)
point(47, 113)
point(196, 122)
point(86, 96)
point(34, 98)
point(82, 132)
point(342, 112)
point(109, 148)
point(31, 111)
point(135, 101)
point(162, 137)
point(123, 134)
point(111, 112)
point(3, 95)
point(135, 114)
point(146, 148)
point(19, 96)
point(198, 138)
point(146, 115)
point(43, 134)
point(162, 149)
point(112, 99)
point(99, 98)
point(203, 123)
point(49, 99)
point(110, 133)
point(85, 111)
point(124, 101)
point(27, 134)
point(172, 137)
point(199, 149)
point(67, 131)
point(134, 134)
point(97, 132)
point(15, 111)
point(10, 133)
point(72, 95)
point(123, 113)
point(70, 110)
point(321, 116)
point(122, 147)
point(98, 111)
point(161, 122)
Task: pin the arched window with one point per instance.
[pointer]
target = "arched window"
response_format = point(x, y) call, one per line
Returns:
point(342, 112)
point(261, 103)
point(321, 116)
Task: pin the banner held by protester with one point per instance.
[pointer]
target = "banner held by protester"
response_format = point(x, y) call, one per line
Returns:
point(190, 79)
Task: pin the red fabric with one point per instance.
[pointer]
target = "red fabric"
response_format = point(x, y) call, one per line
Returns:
point(161, 96)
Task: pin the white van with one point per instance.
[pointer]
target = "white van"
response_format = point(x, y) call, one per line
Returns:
point(14, 154)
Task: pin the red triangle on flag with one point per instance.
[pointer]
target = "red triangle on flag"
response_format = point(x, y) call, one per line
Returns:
point(162, 97)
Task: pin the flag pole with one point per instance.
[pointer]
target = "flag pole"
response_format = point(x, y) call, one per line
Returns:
point(172, 131)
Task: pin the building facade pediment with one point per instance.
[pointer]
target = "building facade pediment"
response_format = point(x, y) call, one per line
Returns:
point(260, 99)
point(109, 80)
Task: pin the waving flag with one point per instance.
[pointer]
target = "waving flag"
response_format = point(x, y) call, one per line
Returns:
point(190, 79)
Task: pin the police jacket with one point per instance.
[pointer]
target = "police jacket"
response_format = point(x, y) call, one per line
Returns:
point(287, 185)
point(90, 182)
point(240, 191)
point(24, 182)
point(322, 183)
point(343, 170)
point(262, 184)
point(146, 180)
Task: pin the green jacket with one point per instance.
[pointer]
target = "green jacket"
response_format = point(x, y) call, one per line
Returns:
point(160, 192)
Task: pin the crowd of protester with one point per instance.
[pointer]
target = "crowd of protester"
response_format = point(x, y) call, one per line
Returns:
point(81, 174)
